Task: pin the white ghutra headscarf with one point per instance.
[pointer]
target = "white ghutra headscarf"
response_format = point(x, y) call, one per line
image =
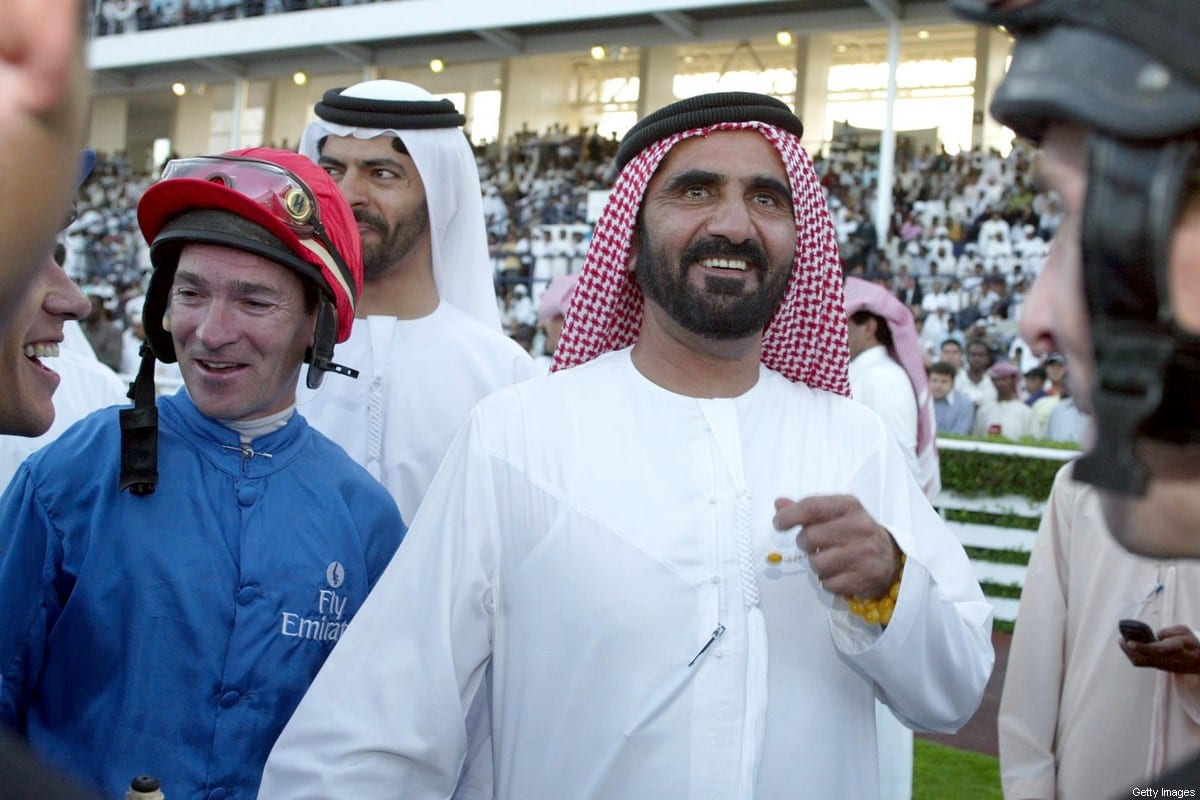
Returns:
point(431, 131)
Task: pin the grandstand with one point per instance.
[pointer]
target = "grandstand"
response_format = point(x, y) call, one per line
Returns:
point(193, 76)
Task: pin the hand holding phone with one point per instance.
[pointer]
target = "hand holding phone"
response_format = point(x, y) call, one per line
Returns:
point(1136, 631)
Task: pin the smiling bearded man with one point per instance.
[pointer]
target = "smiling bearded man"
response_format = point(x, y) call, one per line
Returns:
point(720, 310)
point(617, 540)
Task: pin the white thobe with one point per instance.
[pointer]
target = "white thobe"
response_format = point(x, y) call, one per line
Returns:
point(418, 380)
point(935, 330)
point(587, 536)
point(1009, 418)
point(883, 386)
point(1077, 719)
point(982, 392)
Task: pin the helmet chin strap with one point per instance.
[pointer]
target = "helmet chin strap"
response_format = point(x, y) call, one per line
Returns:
point(1148, 368)
point(139, 431)
point(320, 355)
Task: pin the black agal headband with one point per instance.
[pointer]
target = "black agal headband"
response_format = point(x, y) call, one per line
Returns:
point(702, 111)
point(369, 112)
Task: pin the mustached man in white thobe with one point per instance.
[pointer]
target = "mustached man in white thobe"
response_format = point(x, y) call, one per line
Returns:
point(887, 375)
point(427, 340)
point(647, 553)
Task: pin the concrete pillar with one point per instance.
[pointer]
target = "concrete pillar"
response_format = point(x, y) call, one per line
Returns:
point(992, 48)
point(814, 57)
point(193, 123)
point(882, 214)
point(110, 117)
point(537, 92)
point(241, 95)
point(287, 112)
point(656, 78)
point(503, 85)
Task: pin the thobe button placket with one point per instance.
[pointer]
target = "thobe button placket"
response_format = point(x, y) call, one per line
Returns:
point(230, 699)
point(246, 595)
point(247, 495)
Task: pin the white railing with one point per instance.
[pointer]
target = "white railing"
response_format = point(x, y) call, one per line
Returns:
point(997, 536)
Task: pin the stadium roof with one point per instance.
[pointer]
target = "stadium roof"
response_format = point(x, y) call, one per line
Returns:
point(402, 33)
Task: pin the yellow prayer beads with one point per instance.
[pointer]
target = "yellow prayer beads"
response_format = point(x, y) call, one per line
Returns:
point(879, 610)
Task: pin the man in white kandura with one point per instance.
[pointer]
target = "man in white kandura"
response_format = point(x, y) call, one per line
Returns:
point(427, 339)
point(616, 549)
point(887, 375)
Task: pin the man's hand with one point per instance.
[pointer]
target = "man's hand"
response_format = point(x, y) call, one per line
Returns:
point(850, 552)
point(1176, 650)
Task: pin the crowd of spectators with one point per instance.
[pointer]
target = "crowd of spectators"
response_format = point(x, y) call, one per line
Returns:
point(129, 16)
point(966, 237)
point(103, 245)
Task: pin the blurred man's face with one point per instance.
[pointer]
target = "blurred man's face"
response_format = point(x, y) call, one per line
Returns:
point(862, 336)
point(940, 385)
point(1006, 387)
point(553, 327)
point(952, 354)
point(96, 313)
point(979, 357)
point(1161, 523)
point(1054, 372)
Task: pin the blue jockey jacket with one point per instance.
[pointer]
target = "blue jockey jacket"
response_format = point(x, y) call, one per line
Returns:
point(173, 634)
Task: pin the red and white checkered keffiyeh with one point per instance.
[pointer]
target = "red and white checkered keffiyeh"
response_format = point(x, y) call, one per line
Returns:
point(806, 340)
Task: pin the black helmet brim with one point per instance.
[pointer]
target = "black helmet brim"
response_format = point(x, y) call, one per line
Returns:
point(1080, 75)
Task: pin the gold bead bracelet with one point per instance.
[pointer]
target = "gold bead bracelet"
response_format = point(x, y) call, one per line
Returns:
point(879, 610)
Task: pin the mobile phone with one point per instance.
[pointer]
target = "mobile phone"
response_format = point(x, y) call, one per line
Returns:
point(1136, 631)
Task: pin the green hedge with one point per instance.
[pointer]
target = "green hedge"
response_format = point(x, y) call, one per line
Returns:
point(985, 518)
point(976, 474)
point(1020, 557)
point(1009, 590)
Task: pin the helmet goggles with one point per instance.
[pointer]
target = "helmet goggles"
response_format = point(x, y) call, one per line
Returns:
point(277, 190)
